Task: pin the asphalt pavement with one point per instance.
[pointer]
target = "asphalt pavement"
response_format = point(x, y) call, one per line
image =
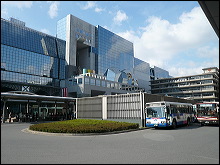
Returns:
point(185, 145)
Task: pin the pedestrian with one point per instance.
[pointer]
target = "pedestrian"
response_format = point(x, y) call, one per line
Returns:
point(9, 116)
point(36, 117)
point(73, 115)
point(20, 117)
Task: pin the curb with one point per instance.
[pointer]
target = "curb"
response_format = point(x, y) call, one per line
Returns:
point(27, 130)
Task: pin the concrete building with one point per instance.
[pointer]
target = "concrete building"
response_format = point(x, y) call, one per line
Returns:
point(202, 87)
point(90, 84)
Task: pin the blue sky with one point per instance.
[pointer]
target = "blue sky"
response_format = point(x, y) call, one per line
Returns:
point(173, 35)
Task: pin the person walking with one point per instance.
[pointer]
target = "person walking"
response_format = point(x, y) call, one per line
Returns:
point(9, 116)
point(20, 117)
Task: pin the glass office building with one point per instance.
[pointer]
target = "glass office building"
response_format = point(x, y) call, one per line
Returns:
point(114, 52)
point(93, 47)
point(42, 64)
point(30, 60)
point(141, 73)
point(96, 48)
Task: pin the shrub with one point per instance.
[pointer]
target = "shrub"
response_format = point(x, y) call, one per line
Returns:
point(83, 126)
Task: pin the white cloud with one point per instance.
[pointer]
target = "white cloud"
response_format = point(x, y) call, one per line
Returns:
point(45, 31)
point(4, 12)
point(98, 10)
point(53, 11)
point(182, 71)
point(120, 16)
point(89, 4)
point(208, 52)
point(18, 4)
point(92, 4)
point(160, 42)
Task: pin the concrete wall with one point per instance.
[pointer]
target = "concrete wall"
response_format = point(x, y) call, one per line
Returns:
point(123, 107)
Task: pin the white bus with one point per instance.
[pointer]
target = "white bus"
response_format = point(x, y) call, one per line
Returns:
point(168, 114)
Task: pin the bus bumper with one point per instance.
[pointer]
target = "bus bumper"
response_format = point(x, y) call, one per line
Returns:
point(209, 122)
point(157, 125)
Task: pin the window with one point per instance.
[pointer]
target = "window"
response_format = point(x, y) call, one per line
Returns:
point(98, 82)
point(79, 80)
point(86, 80)
point(108, 85)
point(103, 83)
point(92, 81)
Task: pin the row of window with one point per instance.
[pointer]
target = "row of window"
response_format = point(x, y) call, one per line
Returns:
point(18, 60)
point(197, 95)
point(183, 79)
point(25, 78)
point(102, 83)
point(198, 89)
point(183, 84)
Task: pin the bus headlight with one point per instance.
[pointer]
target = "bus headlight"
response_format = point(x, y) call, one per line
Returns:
point(163, 121)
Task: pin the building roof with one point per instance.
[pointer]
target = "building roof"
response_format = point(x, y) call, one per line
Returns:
point(27, 96)
point(211, 10)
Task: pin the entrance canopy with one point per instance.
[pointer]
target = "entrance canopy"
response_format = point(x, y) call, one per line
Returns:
point(19, 95)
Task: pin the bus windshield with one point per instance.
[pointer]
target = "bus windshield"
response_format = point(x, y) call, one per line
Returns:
point(207, 109)
point(206, 112)
point(155, 112)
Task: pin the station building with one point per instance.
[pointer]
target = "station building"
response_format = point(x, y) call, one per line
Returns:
point(82, 60)
point(39, 63)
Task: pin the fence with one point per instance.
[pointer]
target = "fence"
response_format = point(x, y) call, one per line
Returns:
point(124, 107)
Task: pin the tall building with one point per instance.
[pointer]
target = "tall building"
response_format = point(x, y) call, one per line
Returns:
point(36, 62)
point(80, 44)
point(202, 87)
point(95, 48)
point(31, 61)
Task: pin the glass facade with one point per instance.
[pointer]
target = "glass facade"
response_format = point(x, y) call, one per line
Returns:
point(160, 73)
point(61, 29)
point(29, 56)
point(114, 52)
point(142, 74)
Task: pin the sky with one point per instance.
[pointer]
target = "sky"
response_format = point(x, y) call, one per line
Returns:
point(173, 35)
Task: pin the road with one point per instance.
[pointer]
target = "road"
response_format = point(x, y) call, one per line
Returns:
point(185, 145)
